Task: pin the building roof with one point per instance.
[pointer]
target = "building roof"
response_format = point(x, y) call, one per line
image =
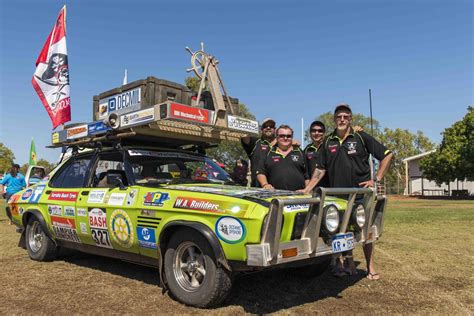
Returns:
point(419, 156)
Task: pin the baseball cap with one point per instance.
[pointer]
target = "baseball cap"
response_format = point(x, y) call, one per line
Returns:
point(267, 120)
point(343, 106)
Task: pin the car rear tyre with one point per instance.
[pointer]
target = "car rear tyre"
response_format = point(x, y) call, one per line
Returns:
point(193, 276)
point(40, 247)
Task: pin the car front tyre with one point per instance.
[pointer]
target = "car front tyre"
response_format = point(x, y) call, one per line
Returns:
point(39, 246)
point(193, 276)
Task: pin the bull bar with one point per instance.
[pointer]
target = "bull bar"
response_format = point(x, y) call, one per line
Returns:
point(311, 244)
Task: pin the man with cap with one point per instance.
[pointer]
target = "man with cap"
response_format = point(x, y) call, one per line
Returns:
point(257, 148)
point(317, 129)
point(284, 166)
point(345, 159)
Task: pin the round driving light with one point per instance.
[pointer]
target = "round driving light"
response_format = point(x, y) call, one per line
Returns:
point(359, 214)
point(331, 218)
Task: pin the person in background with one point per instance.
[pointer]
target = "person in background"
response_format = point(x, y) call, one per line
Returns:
point(345, 159)
point(239, 174)
point(14, 181)
point(284, 166)
point(257, 148)
point(317, 129)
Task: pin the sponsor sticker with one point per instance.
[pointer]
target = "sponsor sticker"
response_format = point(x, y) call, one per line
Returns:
point(155, 198)
point(98, 225)
point(127, 100)
point(55, 210)
point(131, 197)
point(55, 137)
point(122, 229)
point(146, 237)
point(83, 228)
point(197, 204)
point(96, 196)
point(242, 124)
point(295, 208)
point(63, 196)
point(189, 113)
point(21, 210)
point(117, 199)
point(69, 211)
point(230, 229)
point(65, 228)
point(27, 194)
point(81, 212)
point(77, 132)
point(138, 117)
point(37, 193)
point(97, 128)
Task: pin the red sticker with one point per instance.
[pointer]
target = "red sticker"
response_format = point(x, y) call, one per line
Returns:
point(63, 196)
point(63, 222)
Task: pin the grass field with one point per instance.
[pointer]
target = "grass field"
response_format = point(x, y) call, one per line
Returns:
point(424, 258)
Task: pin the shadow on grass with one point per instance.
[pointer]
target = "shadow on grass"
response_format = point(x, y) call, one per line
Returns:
point(257, 293)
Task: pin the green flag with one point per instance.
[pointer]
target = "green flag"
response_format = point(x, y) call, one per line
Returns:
point(32, 153)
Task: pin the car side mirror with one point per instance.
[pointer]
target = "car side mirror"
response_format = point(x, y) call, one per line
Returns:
point(115, 180)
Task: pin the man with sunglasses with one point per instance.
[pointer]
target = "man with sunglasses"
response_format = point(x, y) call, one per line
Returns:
point(345, 159)
point(284, 166)
point(257, 148)
point(317, 129)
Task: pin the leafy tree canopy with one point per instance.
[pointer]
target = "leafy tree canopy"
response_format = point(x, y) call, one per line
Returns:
point(6, 158)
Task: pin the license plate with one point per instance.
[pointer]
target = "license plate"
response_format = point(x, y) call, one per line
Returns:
point(342, 242)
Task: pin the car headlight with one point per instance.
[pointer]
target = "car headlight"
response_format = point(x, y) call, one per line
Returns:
point(331, 218)
point(358, 215)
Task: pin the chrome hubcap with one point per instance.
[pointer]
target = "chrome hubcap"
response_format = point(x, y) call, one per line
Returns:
point(189, 266)
point(35, 237)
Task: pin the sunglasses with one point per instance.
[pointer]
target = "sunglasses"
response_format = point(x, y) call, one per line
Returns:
point(316, 130)
point(268, 126)
point(285, 136)
point(343, 117)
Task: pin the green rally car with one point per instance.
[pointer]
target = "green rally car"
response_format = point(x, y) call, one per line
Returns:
point(179, 211)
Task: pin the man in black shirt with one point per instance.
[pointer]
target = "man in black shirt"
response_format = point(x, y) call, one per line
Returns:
point(284, 166)
point(345, 159)
point(257, 148)
point(317, 129)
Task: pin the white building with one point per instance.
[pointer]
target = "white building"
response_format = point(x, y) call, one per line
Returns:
point(417, 185)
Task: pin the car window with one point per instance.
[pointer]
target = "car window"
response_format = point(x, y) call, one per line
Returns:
point(106, 164)
point(151, 167)
point(72, 175)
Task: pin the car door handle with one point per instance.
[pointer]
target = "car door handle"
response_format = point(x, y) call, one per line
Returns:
point(48, 192)
point(85, 193)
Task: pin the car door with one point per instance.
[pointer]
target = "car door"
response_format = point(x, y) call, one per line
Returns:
point(61, 194)
point(102, 211)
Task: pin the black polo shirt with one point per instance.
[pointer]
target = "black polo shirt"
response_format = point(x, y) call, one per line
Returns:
point(284, 173)
point(347, 162)
point(311, 154)
point(256, 150)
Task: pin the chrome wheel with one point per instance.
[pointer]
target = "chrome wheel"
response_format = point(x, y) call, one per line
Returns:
point(189, 266)
point(35, 237)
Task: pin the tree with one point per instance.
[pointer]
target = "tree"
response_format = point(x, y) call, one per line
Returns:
point(6, 158)
point(454, 158)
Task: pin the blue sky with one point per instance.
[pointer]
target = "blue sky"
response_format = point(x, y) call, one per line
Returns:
point(283, 59)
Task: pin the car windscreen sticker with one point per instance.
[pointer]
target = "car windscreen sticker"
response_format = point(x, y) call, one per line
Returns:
point(65, 228)
point(37, 193)
point(117, 199)
point(98, 225)
point(55, 210)
point(134, 152)
point(122, 229)
point(155, 198)
point(63, 196)
point(230, 229)
point(146, 237)
point(96, 196)
point(26, 195)
point(69, 211)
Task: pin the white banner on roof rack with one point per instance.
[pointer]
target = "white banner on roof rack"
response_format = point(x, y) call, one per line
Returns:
point(136, 118)
point(242, 124)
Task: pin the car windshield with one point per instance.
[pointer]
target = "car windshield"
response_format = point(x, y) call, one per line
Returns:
point(162, 167)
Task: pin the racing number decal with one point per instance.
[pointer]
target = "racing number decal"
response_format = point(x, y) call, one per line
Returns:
point(101, 238)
